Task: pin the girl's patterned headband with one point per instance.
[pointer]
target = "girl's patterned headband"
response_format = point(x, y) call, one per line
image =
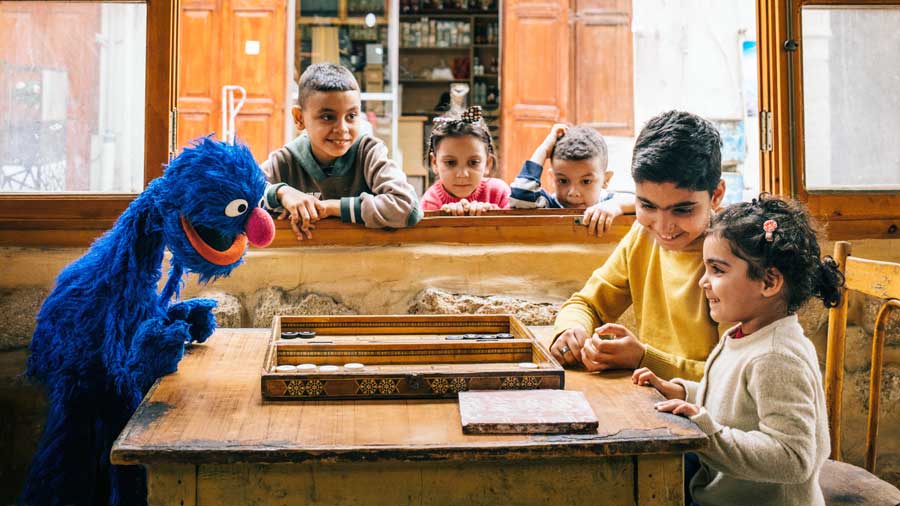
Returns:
point(470, 115)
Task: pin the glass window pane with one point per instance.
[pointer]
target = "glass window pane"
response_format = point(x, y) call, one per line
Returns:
point(699, 57)
point(72, 97)
point(851, 103)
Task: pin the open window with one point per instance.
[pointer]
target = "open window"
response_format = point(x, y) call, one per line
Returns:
point(811, 54)
point(86, 103)
point(829, 71)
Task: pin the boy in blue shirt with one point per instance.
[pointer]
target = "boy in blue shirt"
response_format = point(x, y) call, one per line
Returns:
point(578, 158)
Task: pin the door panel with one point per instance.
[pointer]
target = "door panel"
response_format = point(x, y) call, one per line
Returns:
point(564, 62)
point(198, 73)
point(258, 64)
point(534, 96)
point(233, 42)
point(603, 69)
point(255, 130)
point(192, 125)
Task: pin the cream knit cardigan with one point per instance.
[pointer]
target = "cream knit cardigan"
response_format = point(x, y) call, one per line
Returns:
point(763, 408)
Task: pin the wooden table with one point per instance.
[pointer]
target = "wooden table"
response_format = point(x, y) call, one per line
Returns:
point(206, 438)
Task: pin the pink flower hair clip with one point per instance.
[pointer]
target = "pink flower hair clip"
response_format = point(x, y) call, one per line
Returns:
point(770, 226)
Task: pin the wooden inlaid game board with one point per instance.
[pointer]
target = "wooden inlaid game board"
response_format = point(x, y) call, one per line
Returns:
point(402, 357)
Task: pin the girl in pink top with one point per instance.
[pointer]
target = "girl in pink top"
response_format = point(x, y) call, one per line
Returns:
point(461, 153)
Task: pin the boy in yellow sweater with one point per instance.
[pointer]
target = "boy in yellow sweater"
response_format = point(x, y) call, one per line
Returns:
point(656, 267)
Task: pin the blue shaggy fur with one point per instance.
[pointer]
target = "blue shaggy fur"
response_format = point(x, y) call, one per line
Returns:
point(104, 335)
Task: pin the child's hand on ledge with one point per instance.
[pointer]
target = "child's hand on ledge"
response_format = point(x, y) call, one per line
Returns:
point(466, 208)
point(599, 217)
point(303, 209)
point(646, 377)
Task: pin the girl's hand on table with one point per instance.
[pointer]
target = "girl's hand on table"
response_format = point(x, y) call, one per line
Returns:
point(646, 377)
point(678, 407)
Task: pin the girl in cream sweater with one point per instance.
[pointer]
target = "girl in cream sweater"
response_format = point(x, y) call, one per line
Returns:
point(761, 401)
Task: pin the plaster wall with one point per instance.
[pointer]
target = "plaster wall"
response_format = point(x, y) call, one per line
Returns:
point(531, 281)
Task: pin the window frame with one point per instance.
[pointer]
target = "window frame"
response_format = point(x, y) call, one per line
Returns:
point(75, 220)
point(847, 214)
point(37, 219)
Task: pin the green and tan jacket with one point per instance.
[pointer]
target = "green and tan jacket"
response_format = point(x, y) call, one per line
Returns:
point(372, 189)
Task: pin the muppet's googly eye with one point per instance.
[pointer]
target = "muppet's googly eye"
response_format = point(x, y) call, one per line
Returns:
point(236, 207)
point(262, 202)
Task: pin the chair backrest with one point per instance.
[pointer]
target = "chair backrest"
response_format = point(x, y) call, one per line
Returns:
point(877, 279)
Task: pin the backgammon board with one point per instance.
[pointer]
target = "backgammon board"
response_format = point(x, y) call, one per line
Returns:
point(402, 357)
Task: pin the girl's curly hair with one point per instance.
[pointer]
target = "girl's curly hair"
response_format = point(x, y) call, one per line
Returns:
point(793, 250)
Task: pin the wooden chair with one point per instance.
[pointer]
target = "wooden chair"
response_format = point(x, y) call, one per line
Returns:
point(845, 484)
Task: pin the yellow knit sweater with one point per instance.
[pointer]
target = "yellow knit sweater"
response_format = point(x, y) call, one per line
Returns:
point(672, 313)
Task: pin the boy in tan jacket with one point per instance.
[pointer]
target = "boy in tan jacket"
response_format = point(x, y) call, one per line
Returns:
point(331, 170)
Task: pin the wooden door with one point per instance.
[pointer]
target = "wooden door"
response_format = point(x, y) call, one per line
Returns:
point(238, 42)
point(535, 77)
point(564, 61)
point(602, 66)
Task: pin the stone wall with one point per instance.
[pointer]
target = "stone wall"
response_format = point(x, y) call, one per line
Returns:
point(436, 279)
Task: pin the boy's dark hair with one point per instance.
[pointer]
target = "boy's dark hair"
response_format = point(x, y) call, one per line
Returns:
point(794, 250)
point(455, 124)
point(678, 147)
point(324, 77)
point(581, 143)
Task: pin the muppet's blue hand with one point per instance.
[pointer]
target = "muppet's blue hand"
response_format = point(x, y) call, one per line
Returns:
point(198, 314)
point(155, 351)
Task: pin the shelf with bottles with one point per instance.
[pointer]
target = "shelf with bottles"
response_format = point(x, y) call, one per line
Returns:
point(341, 10)
point(484, 65)
point(421, 103)
point(337, 21)
point(431, 33)
point(357, 47)
point(486, 95)
point(490, 119)
point(432, 81)
point(466, 7)
point(425, 49)
point(364, 7)
point(486, 32)
point(458, 15)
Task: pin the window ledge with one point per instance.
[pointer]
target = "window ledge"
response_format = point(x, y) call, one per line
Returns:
point(78, 220)
point(65, 224)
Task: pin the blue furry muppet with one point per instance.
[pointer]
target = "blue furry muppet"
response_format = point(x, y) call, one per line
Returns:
point(104, 335)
